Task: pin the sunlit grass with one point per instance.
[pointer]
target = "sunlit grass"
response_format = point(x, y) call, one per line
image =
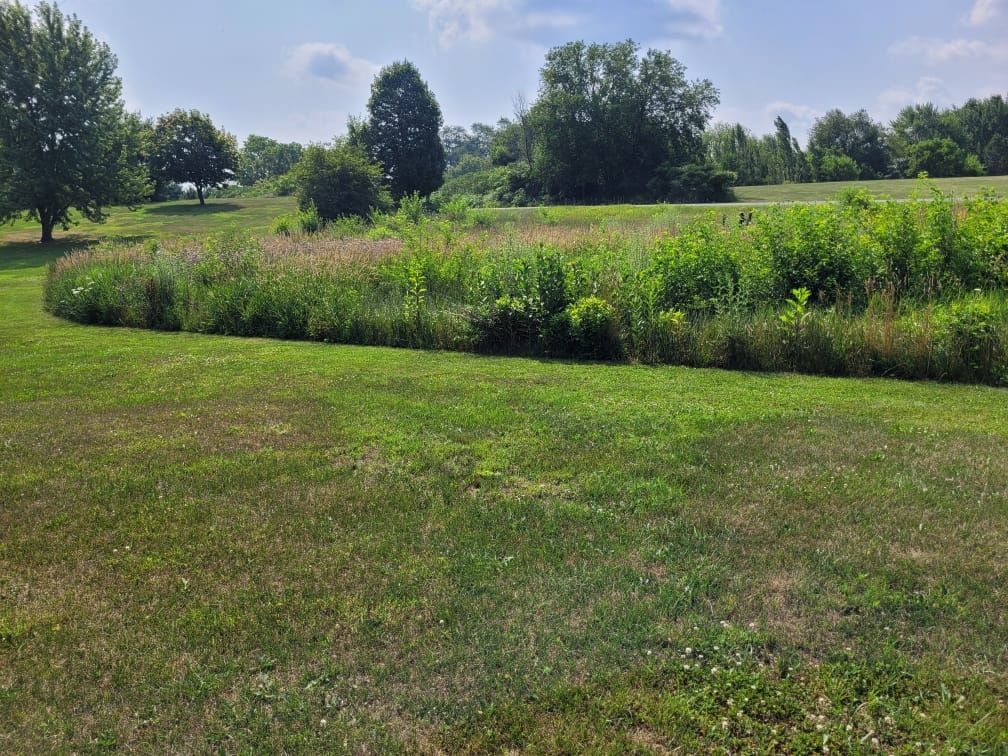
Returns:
point(216, 543)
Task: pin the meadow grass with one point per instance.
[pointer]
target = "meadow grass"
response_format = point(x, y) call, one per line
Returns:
point(240, 544)
point(893, 188)
point(906, 289)
point(256, 214)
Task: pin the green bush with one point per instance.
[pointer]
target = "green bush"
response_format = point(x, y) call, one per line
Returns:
point(593, 326)
point(339, 181)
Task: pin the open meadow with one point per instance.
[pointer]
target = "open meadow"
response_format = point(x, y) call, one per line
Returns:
point(246, 544)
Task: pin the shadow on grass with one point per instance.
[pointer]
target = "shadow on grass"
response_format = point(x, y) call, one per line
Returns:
point(194, 209)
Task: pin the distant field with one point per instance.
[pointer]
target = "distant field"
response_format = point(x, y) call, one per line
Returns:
point(256, 214)
point(895, 188)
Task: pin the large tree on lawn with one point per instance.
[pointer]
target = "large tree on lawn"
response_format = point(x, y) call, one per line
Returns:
point(66, 141)
point(188, 148)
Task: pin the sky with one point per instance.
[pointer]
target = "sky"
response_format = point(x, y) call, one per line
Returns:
point(295, 71)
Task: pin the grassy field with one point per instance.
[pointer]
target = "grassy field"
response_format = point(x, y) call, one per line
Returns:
point(214, 543)
point(256, 214)
point(894, 188)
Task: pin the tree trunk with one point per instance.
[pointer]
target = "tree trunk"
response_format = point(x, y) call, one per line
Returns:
point(48, 222)
point(199, 193)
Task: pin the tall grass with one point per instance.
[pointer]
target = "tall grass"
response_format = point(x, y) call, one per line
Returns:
point(857, 287)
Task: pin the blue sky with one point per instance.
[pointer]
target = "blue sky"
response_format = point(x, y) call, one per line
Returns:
point(296, 70)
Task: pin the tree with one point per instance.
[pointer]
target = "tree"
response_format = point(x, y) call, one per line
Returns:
point(606, 119)
point(835, 166)
point(263, 158)
point(339, 181)
point(402, 132)
point(995, 156)
point(940, 158)
point(188, 148)
point(66, 141)
point(857, 136)
point(979, 121)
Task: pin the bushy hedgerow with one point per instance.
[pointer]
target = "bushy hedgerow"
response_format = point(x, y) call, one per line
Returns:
point(858, 287)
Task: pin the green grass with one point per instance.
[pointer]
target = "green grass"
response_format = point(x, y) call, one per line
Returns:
point(182, 217)
point(214, 543)
point(185, 217)
point(894, 188)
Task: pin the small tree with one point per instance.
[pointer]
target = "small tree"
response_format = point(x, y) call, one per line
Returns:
point(995, 155)
point(339, 181)
point(187, 147)
point(65, 138)
point(940, 158)
point(263, 158)
point(403, 131)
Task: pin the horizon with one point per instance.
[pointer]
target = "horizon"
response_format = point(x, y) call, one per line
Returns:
point(301, 79)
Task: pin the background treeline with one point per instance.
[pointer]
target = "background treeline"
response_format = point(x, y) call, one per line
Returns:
point(970, 140)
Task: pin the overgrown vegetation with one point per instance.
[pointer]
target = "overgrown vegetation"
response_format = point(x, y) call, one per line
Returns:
point(855, 287)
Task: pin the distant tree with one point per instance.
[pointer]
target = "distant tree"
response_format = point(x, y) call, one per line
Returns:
point(339, 181)
point(979, 121)
point(263, 158)
point(995, 155)
point(402, 131)
point(732, 147)
point(66, 141)
point(460, 143)
point(508, 144)
point(606, 119)
point(835, 166)
point(188, 148)
point(940, 158)
point(915, 123)
point(857, 136)
point(773, 159)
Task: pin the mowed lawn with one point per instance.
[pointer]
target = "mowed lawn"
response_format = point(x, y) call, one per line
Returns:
point(214, 543)
point(894, 188)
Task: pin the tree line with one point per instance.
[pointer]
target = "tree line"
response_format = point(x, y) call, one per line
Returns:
point(968, 140)
point(609, 123)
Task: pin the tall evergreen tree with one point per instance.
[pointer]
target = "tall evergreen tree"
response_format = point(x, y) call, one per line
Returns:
point(403, 131)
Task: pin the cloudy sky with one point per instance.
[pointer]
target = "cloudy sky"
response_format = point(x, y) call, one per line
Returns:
point(296, 70)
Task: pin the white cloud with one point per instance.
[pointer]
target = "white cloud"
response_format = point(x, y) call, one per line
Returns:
point(927, 89)
point(984, 11)
point(696, 18)
point(944, 51)
point(469, 20)
point(804, 113)
point(481, 20)
point(329, 61)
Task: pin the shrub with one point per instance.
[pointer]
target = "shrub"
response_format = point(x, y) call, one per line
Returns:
point(339, 181)
point(694, 182)
point(593, 326)
point(307, 221)
point(835, 166)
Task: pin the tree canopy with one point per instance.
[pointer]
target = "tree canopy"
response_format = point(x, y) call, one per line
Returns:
point(403, 131)
point(607, 119)
point(188, 148)
point(339, 181)
point(263, 158)
point(855, 136)
point(66, 141)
